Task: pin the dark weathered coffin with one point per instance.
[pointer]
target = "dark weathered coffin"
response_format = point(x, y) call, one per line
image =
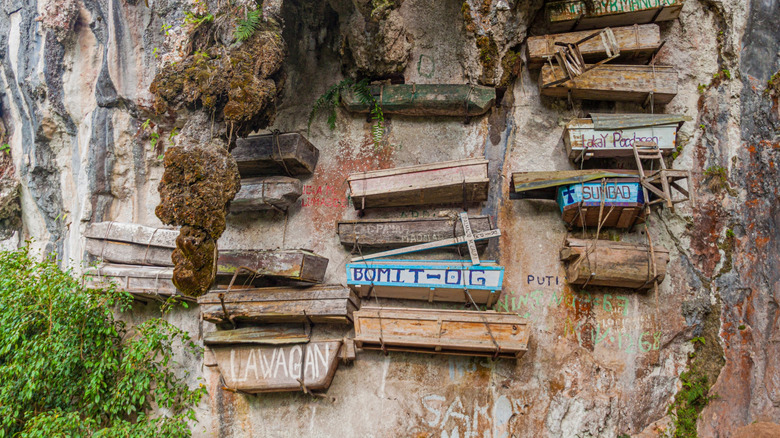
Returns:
point(623, 204)
point(289, 264)
point(397, 233)
point(431, 280)
point(544, 184)
point(296, 367)
point(286, 154)
point(616, 264)
point(272, 192)
point(468, 333)
point(322, 303)
point(426, 99)
point(267, 334)
point(614, 82)
point(438, 183)
point(143, 282)
point(635, 42)
point(571, 15)
point(614, 135)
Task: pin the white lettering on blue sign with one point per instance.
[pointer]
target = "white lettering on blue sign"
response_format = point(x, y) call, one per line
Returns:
point(590, 194)
point(454, 276)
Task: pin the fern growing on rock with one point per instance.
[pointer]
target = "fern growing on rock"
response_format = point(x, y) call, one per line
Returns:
point(247, 27)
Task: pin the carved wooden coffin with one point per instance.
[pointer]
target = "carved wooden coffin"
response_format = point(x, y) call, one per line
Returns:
point(622, 198)
point(396, 233)
point(571, 15)
point(616, 264)
point(460, 332)
point(426, 99)
point(614, 135)
point(272, 192)
point(614, 82)
point(277, 368)
point(318, 304)
point(635, 42)
point(284, 154)
point(143, 282)
point(430, 280)
point(438, 183)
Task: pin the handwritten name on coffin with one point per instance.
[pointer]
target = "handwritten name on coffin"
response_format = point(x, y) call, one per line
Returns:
point(267, 369)
point(452, 276)
point(664, 137)
point(591, 194)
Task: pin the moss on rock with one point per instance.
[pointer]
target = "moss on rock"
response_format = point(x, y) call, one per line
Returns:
point(195, 258)
point(511, 64)
point(488, 58)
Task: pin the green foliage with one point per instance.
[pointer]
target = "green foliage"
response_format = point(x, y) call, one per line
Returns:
point(247, 27)
point(197, 20)
point(729, 233)
point(726, 73)
point(702, 88)
point(742, 327)
point(165, 28)
point(329, 100)
point(717, 171)
point(698, 339)
point(689, 402)
point(5, 147)
point(69, 368)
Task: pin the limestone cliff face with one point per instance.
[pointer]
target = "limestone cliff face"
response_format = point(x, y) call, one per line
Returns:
point(76, 76)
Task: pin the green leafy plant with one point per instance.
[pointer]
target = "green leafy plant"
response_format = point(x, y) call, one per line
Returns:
point(154, 52)
point(698, 339)
point(197, 20)
point(5, 147)
point(70, 368)
point(689, 402)
point(729, 233)
point(726, 73)
point(702, 88)
point(247, 27)
point(165, 28)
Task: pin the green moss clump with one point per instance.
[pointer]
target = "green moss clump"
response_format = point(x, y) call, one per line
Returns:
point(488, 57)
point(773, 85)
point(471, 27)
point(511, 64)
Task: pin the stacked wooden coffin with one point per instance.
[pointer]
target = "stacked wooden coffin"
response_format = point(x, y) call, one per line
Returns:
point(426, 99)
point(471, 282)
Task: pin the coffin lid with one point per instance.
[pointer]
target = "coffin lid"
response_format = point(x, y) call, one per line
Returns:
point(269, 334)
point(624, 121)
point(543, 185)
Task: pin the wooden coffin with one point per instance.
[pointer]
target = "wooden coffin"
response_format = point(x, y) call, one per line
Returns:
point(426, 99)
point(430, 280)
point(438, 183)
point(614, 135)
point(278, 368)
point(143, 282)
point(615, 264)
point(544, 184)
point(288, 264)
point(457, 332)
point(623, 203)
point(635, 42)
point(318, 304)
point(397, 233)
point(571, 15)
point(267, 334)
point(272, 192)
point(614, 82)
point(284, 154)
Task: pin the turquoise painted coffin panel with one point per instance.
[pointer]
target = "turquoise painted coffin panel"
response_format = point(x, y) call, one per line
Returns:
point(615, 193)
point(433, 274)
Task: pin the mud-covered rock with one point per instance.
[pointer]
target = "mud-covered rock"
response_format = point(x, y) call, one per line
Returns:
point(195, 260)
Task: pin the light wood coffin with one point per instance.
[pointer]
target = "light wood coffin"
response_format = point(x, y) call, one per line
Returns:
point(426, 99)
point(615, 264)
point(288, 264)
point(614, 82)
point(438, 183)
point(143, 282)
point(456, 332)
point(571, 15)
point(614, 135)
point(284, 154)
point(623, 203)
point(635, 42)
point(318, 304)
point(278, 368)
point(265, 193)
point(396, 233)
point(266, 334)
point(429, 280)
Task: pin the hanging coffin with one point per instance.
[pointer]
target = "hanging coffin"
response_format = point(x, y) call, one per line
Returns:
point(635, 42)
point(426, 99)
point(397, 233)
point(272, 192)
point(430, 280)
point(581, 14)
point(615, 264)
point(614, 82)
point(283, 154)
point(143, 282)
point(449, 182)
point(614, 135)
point(262, 368)
point(467, 333)
point(288, 264)
point(318, 304)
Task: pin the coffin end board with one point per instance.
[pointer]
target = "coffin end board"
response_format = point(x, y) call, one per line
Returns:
point(288, 154)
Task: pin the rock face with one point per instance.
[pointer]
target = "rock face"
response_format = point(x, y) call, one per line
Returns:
point(9, 197)
point(81, 79)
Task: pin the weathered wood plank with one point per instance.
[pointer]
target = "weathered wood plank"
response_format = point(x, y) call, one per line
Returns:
point(571, 15)
point(616, 264)
point(266, 193)
point(257, 369)
point(430, 280)
point(132, 233)
point(129, 253)
point(426, 99)
point(268, 334)
point(635, 42)
point(397, 233)
point(442, 331)
point(438, 183)
point(324, 303)
point(291, 264)
point(143, 282)
point(288, 154)
point(614, 82)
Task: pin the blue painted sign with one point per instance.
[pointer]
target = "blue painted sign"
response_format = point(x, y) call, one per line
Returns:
point(615, 193)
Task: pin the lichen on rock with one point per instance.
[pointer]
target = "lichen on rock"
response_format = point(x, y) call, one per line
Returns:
point(10, 211)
